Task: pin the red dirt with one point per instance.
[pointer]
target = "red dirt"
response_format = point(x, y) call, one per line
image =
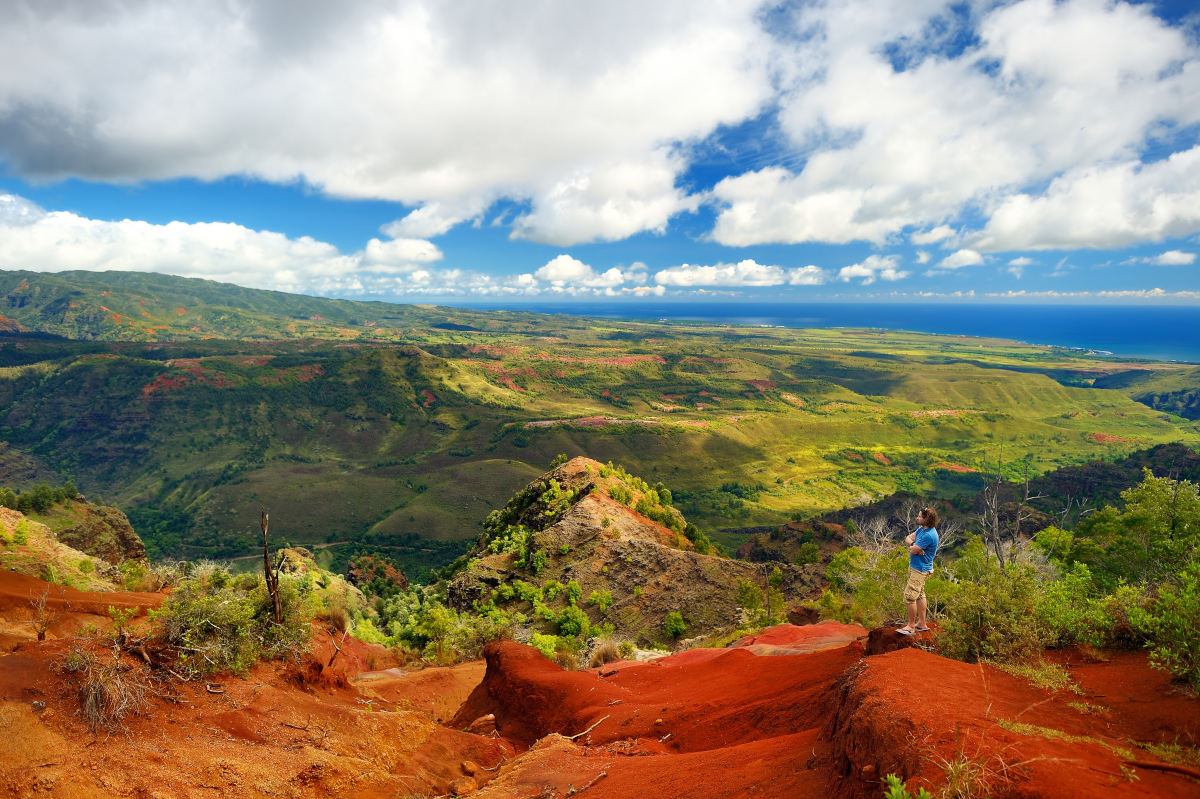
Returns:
point(792, 711)
point(1105, 438)
point(762, 385)
point(881, 458)
point(953, 467)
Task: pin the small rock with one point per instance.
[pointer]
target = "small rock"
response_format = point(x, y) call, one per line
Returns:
point(868, 770)
point(469, 768)
point(38, 706)
point(658, 722)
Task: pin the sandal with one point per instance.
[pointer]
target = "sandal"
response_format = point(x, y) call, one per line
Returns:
point(905, 631)
point(923, 629)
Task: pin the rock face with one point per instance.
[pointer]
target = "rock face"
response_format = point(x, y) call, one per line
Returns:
point(605, 545)
point(103, 532)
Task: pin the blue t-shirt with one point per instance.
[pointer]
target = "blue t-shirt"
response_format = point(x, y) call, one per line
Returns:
point(927, 539)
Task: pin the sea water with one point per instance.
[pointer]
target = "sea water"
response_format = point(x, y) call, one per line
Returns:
point(1169, 333)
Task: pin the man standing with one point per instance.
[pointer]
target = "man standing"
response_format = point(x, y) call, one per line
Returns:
point(922, 547)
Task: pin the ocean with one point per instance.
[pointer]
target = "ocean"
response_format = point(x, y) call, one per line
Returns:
point(1169, 333)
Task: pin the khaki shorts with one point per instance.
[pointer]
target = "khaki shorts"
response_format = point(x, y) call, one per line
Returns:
point(915, 588)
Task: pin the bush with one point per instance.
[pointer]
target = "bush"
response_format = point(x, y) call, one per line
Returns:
point(673, 625)
point(546, 644)
point(1172, 623)
point(219, 622)
point(1072, 610)
point(994, 619)
point(809, 552)
point(602, 600)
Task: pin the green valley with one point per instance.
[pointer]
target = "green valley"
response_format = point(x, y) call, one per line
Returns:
point(191, 404)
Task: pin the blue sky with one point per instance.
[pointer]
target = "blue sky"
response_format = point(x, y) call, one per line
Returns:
point(457, 151)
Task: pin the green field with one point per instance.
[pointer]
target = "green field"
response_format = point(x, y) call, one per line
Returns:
point(383, 423)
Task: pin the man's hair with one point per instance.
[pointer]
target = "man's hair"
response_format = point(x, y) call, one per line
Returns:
point(931, 517)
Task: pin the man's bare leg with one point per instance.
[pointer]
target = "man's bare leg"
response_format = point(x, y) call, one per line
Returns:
point(921, 607)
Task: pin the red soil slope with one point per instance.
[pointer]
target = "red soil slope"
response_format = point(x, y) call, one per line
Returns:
point(789, 712)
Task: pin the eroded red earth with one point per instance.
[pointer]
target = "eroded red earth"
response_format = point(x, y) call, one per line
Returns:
point(793, 711)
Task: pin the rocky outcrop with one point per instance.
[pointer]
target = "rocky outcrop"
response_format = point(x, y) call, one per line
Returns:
point(102, 532)
point(639, 569)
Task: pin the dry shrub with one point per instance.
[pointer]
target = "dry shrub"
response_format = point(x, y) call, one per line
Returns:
point(109, 689)
point(339, 617)
point(606, 650)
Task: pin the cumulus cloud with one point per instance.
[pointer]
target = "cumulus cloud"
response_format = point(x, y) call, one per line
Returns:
point(1021, 261)
point(571, 275)
point(960, 258)
point(895, 126)
point(1111, 206)
point(939, 233)
point(444, 105)
point(1174, 258)
point(52, 241)
point(746, 273)
point(882, 267)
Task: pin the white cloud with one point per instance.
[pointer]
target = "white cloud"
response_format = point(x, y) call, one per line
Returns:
point(1174, 258)
point(1021, 261)
point(960, 258)
point(880, 149)
point(34, 239)
point(744, 273)
point(608, 203)
point(922, 257)
point(565, 273)
point(444, 105)
point(883, 267)
point(437, 217)
point(939, 233)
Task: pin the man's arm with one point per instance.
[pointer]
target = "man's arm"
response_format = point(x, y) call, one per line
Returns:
point(915, 550)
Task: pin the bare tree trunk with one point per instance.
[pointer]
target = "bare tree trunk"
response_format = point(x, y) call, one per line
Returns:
point(271, 574)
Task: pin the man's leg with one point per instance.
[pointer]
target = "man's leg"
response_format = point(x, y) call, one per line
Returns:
point(919, 610)
point(912, 615)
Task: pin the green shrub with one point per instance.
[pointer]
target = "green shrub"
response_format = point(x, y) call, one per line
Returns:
point(602, 600)
point(809, 552)
point(1172, 622)
point(546, 644)
point(1072, 610)
point(21, 532)
point(994, 619)
point(574, 592)
point(221, 623)
point(572, 621)
point(673, 625)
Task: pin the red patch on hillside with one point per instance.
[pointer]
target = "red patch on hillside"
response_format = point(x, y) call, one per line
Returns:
point(762, 385)
point(953, 467)
point(193, 373)
point(429, 396)
point(606, 393)
point(854, 456)
point(180, 311)
point(879, 456)
point(1105, 438)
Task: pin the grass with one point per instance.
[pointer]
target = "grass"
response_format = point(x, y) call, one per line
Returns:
point(1174, 753)
point(1021, 728)
point(1042, 674)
